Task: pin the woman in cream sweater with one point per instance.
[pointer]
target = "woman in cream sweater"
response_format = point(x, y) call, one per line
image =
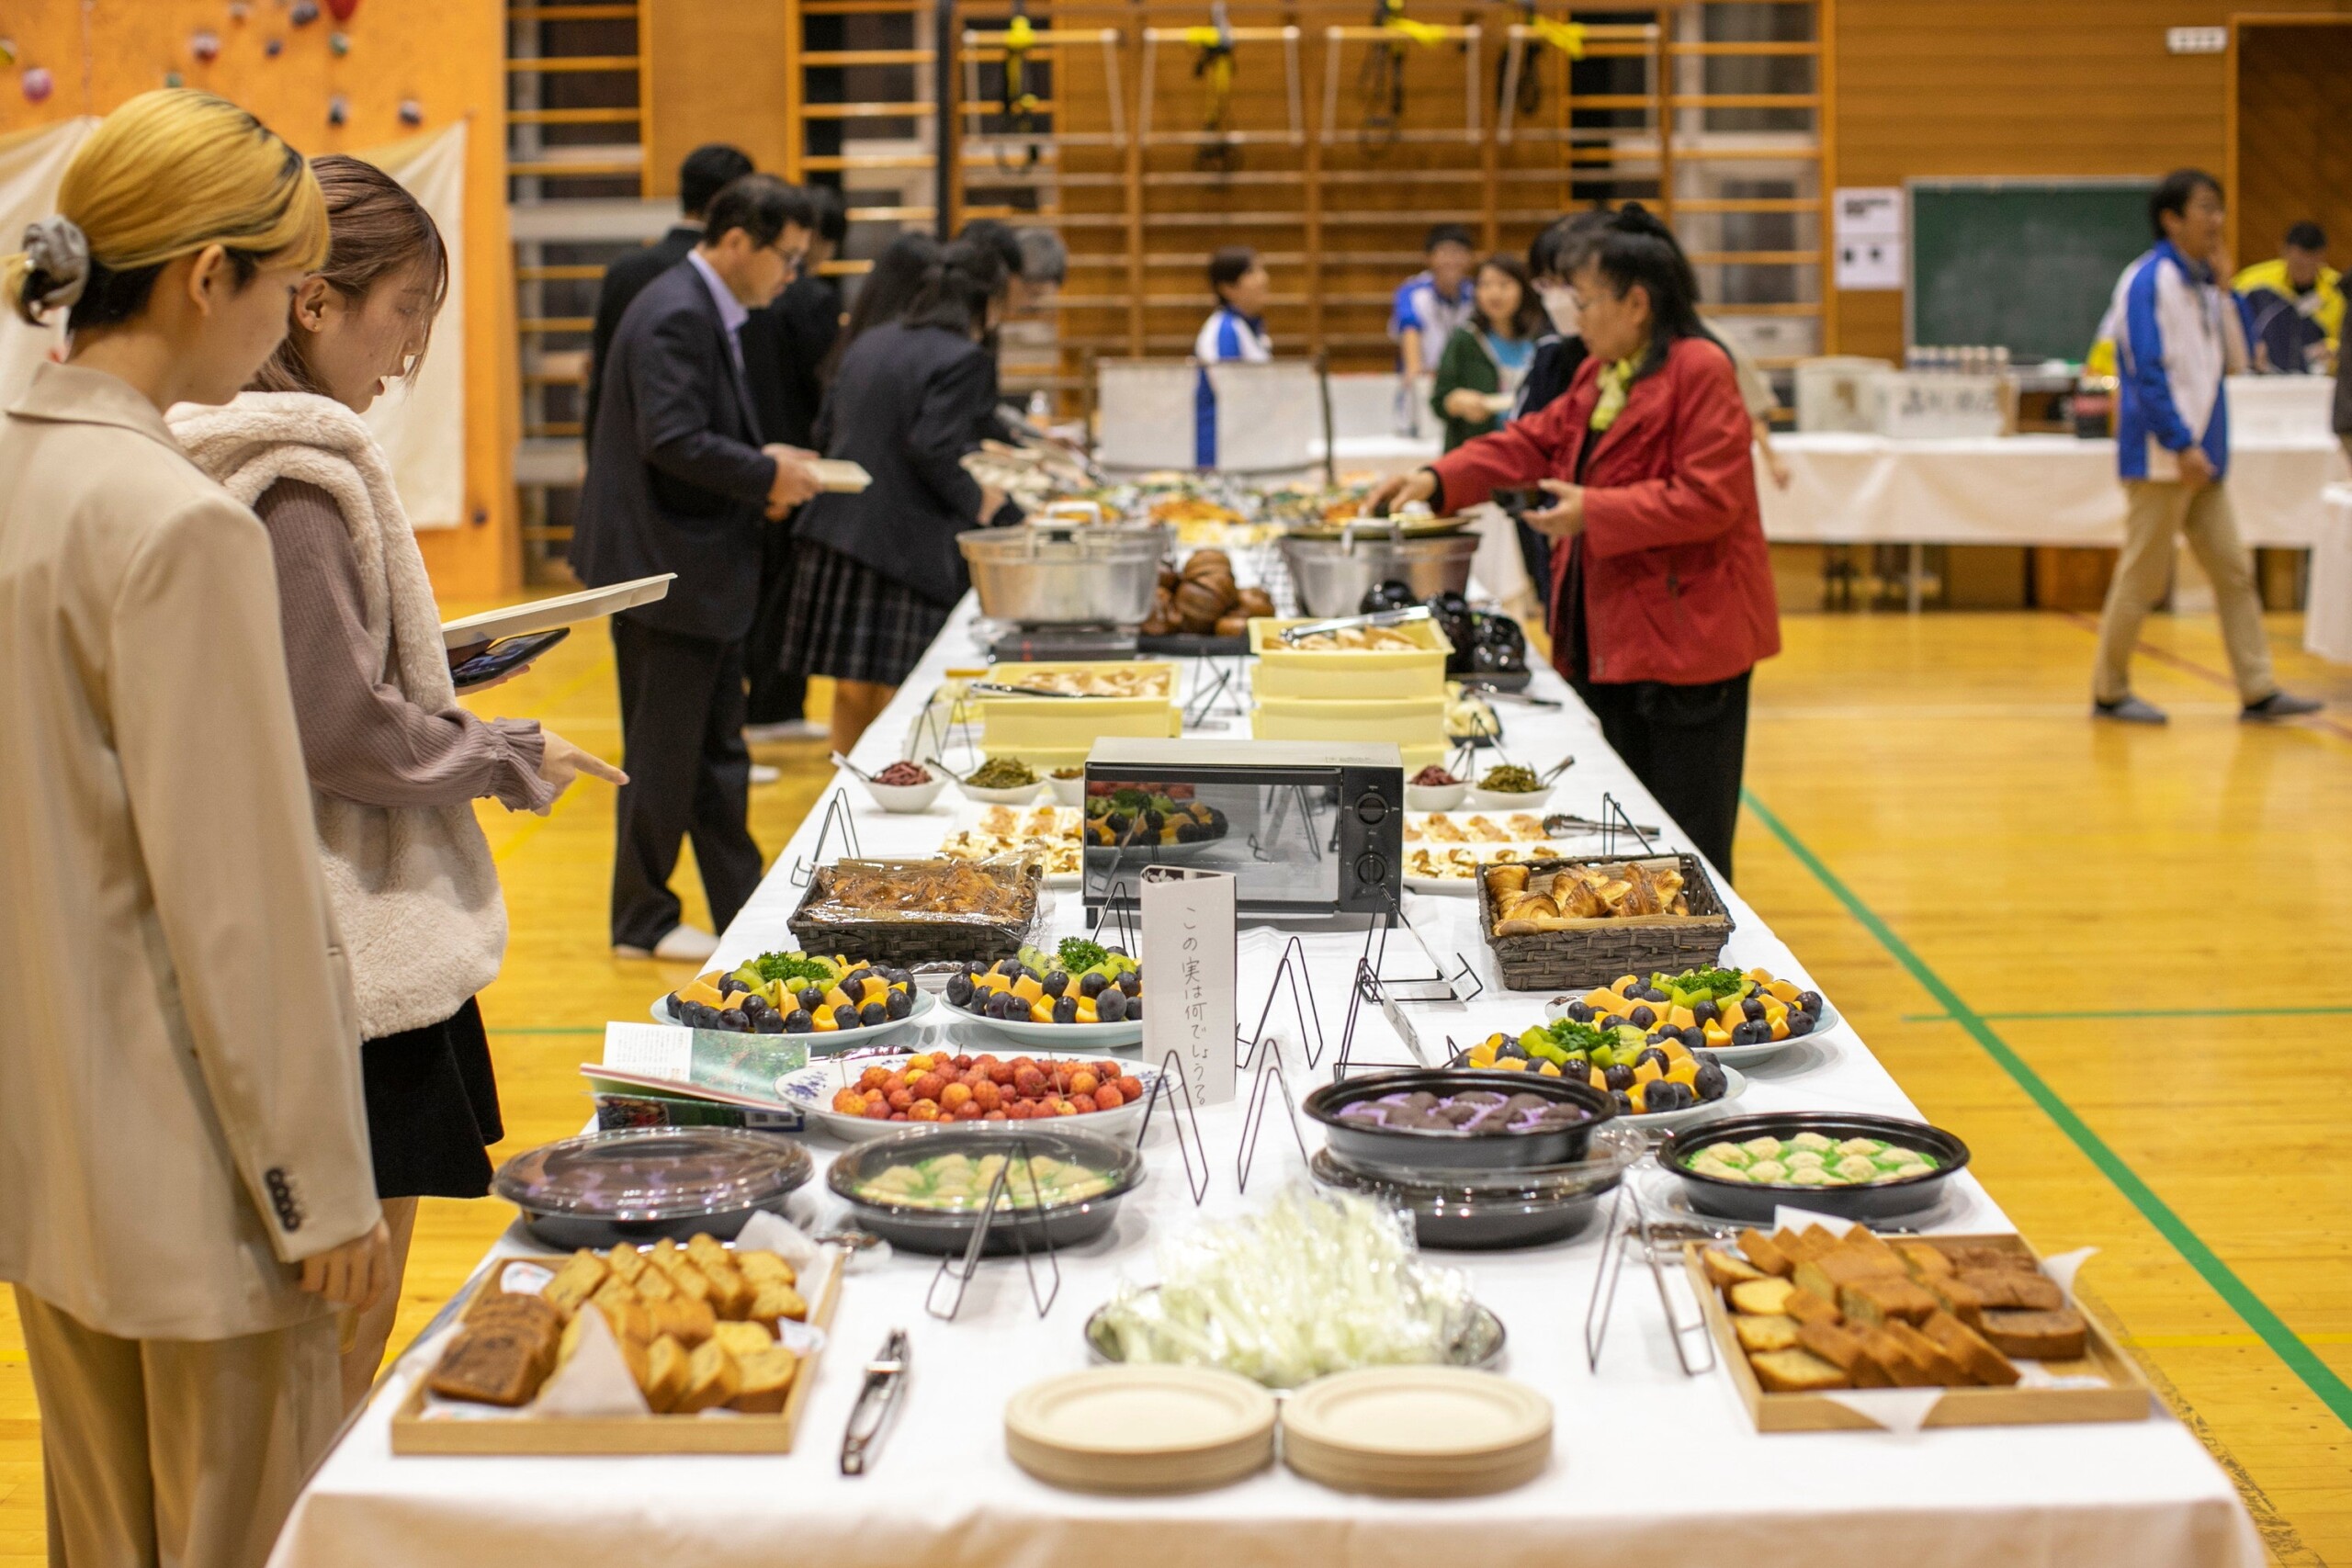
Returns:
point(394, 763)
point(183, 1144)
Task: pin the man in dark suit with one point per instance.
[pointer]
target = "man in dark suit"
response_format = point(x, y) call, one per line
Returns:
point(707, 170)
point(679, 480)
point(784, 345)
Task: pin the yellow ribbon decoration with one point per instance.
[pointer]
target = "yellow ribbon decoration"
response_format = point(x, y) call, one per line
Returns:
point(1565, 37)
point(1427, 34)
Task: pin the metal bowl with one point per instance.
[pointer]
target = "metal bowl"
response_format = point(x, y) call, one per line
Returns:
point(1067, 574)
point(1479, 1347)
point(1880, 1201)
point(1331, 576)
point(645, 1183)
point(1421, 1148)
point(920, 1229)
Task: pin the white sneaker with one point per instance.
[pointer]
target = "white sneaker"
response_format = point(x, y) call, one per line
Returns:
point(790, 729)
point(684, 944)
point(763, 774)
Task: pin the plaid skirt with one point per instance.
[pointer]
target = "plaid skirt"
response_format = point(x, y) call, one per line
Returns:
point(848, 621)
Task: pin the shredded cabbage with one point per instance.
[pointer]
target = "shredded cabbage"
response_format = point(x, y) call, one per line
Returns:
point(1319, 1282)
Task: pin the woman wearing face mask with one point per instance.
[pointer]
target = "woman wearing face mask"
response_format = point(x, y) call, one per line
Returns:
point(1487, 357)
point(1662, 598)
point(183, 1138)
point(394, 763)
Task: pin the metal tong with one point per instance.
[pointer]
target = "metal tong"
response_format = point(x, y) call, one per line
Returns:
point(1405, 616)
point(1008, 689)
point(885, 1377)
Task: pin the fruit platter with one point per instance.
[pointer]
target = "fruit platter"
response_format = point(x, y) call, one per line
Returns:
point(1653, 1077)
point(861, 1097)
point(799, 993)
point(1080, 993)
point(1742, 1018)
point(1130, 816)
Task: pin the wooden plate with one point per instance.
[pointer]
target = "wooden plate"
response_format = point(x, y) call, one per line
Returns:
point(1141, 1428)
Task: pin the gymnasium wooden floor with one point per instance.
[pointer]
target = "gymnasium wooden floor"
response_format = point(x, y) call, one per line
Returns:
point(2111, 959)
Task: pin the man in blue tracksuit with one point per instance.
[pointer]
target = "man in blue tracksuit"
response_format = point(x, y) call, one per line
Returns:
point(2176, 335)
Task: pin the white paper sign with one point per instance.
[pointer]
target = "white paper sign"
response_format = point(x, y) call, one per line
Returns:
point(1189, 953)
point(1867, 230)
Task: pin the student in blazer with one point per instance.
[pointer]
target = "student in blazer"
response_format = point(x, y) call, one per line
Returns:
point(183, 1145)
point(679, 480)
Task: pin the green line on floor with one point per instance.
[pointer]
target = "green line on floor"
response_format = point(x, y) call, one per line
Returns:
point(2299, 1358)
point(2151, 1014)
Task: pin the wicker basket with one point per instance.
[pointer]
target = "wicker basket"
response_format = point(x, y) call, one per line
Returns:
point(909, 940)
point(1594, 953)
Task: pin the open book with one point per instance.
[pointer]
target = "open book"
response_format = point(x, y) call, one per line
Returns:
point(698, 1064)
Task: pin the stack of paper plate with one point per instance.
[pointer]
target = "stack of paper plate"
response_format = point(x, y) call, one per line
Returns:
point(1417, 1431)
point(1142, 1428)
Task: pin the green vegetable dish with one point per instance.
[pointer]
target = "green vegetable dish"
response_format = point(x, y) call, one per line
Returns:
point(1510, 779)
point(1002, 772)
point(799, 967)
point(957, 1183)
point(1810, 1160)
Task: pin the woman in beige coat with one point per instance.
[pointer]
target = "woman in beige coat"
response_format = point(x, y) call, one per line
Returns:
point(395, 763)
point(183, 1153)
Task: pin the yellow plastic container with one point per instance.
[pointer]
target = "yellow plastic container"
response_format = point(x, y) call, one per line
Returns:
point(1033, 728)
point(1415, 724)
point(1351, 674)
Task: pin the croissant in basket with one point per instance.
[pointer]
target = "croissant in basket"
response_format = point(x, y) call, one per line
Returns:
point(1557, 900)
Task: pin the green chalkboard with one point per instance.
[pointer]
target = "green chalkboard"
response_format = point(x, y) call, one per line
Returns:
point(2025, 265)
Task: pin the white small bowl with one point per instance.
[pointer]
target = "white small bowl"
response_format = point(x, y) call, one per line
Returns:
point(1021, 796)
point(1069, 791)
point(1495, 800)
point(1435, 797)
point(905, 799)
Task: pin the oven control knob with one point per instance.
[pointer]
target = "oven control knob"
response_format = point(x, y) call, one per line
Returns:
point(1371, 869)
point(1371, 806)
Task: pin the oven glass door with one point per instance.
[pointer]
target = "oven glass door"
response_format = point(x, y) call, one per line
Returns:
point(1277, 839)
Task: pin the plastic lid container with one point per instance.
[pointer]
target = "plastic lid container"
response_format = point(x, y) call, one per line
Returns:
point(654, 1173)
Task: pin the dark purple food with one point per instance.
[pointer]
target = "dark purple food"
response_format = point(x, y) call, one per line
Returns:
point(1481, 1112)
point(903, 775)
point(1433, 777)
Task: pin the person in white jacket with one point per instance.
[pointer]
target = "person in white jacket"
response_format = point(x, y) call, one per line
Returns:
point(2178, 334)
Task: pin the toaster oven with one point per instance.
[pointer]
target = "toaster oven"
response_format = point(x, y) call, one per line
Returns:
point(1306, 829)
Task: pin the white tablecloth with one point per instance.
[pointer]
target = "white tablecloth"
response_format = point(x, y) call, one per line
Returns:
point(2327, 609)
point(2019, 490)
point(1649, 1466)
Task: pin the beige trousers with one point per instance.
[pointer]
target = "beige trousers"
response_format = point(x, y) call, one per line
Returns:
point(179, 1452)
point(2157, 513)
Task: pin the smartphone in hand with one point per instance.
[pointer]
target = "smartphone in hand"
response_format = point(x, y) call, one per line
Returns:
point(505, 654)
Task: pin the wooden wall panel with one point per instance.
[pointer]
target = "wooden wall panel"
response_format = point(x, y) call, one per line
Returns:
point(2294, 136)
point(717, 73)
point(1974, 87)
point(449, 56)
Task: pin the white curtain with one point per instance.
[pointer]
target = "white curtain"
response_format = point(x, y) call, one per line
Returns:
point(423, 425)
point(31, 165)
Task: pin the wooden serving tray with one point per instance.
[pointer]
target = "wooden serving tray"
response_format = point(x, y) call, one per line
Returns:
point(2125, 1397)
point(414, 1434)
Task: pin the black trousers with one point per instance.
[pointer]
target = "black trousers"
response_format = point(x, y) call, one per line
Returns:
point(1688, 744)
point(689, 776)
point(778, 695)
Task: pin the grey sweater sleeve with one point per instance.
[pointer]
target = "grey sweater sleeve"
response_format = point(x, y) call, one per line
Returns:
point(362, 738)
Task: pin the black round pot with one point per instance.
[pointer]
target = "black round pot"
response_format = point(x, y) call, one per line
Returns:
point(1427, 1148)
point(1879, 1200)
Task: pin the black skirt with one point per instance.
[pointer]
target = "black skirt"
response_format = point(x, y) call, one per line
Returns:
point(432, 1108)
point(848, 621)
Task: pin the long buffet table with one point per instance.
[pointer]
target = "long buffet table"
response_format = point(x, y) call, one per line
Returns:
point(1649, 1465)
point(2019, 490)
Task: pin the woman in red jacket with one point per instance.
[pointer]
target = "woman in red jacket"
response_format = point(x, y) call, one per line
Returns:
point(1662, 603)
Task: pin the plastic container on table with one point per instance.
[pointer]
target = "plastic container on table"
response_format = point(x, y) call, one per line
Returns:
point(1359, 674)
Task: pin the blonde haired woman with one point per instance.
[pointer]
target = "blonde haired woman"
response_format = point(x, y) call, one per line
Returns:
point(182, 1139)
point(395, 763)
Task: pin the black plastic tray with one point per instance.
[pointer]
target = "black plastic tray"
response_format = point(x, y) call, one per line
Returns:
point(1880, 1201)
point(1427, 1149)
